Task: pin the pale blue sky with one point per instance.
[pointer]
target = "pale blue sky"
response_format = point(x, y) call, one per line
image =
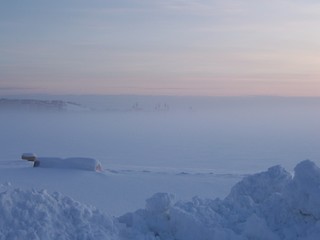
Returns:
point(186, 47)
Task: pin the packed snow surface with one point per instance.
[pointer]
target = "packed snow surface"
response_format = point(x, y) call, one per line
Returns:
point(268, 205)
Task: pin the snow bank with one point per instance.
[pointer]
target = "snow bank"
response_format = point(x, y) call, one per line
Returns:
point(88, 164)
point(40, 215)
point(271, 205)
point(268, 205)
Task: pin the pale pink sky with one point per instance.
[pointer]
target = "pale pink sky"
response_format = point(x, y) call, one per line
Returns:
point(170, 47)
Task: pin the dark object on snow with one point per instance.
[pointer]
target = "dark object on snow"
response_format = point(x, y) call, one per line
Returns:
point(29, 157)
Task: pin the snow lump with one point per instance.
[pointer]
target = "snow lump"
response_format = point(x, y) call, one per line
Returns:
point(40, 215)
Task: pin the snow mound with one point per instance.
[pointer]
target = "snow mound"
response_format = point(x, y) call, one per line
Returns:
point(267, 205)
point(80, 163)
point(40, 215)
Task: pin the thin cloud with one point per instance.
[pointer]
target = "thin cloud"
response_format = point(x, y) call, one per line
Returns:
point(202, 8)
point(16, 88)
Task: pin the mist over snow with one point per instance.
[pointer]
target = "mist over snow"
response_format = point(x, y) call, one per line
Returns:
point(35, 105)
point(173, 168)
point(236, 134)
point(148, 103)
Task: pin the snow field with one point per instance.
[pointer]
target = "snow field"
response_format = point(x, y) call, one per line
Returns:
point(269, 205)
point(117, 190)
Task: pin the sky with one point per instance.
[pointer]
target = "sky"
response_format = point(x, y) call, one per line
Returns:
point(167, 47)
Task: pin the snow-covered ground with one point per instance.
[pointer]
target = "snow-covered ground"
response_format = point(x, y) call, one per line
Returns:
point(116, 191)
point(194, 156)
point(267, 205)
point(237, 141)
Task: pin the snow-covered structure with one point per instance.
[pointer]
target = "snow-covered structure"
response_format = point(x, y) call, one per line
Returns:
point(80, 163)
point(89, 164)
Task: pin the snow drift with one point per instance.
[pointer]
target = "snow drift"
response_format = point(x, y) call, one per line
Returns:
point(80, 163)
point(40, 215)
point(268, 205)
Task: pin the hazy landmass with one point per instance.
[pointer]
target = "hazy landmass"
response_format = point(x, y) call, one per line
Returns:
point(143, 103)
